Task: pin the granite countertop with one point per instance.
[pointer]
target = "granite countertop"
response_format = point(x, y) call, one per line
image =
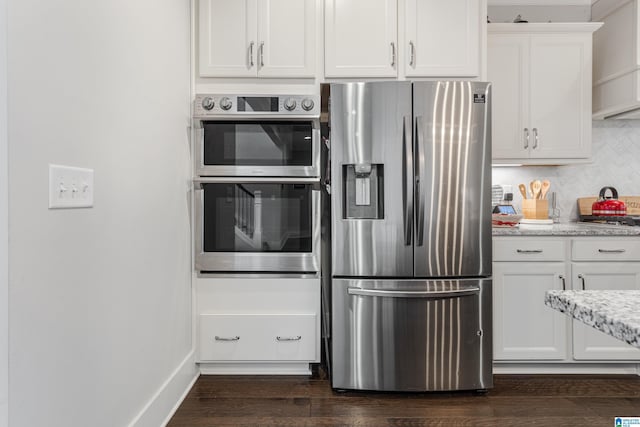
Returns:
point(615, 313)
point(570, 229)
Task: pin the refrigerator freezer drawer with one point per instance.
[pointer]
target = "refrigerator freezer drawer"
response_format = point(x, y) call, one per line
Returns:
point(412, 335)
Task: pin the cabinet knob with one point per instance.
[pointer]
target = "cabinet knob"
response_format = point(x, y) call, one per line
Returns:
point(393, 54)
point(412, 54)
point(296, 338)
point(236, 338)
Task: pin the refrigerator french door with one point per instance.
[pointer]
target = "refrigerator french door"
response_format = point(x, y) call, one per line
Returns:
point(411, 236)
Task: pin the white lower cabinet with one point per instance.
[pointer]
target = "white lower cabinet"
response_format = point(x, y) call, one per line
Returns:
point(593, 269)
point(257, 325)
point(258, 337)
point(525, 330)
point(524, 327)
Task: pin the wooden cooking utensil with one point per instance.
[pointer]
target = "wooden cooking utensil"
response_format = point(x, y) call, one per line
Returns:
point(535, 188)
point(546, 184)
point(523, 190)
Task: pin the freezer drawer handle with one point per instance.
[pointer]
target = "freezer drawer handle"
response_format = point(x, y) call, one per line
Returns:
point(413, 294)
point(296, 338)
point(611, 251)
point(529, 251)
point(236, 338)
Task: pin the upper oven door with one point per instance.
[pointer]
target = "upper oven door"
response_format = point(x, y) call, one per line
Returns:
point(255, 225)
point(265, 147)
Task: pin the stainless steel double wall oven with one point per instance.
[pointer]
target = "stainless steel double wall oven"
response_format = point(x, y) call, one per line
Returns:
point(257, 186)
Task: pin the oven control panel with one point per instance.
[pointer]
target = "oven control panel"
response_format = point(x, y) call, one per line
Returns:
point(207, 105)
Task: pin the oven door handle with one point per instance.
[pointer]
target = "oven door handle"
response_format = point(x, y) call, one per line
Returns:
point(254, 180)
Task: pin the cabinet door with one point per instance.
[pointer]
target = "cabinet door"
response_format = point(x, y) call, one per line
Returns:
point(560, 96)
point(442, 38)
point(589, 343)
point(361, 38)
point(286, 38)
point(227, 37)
point(524, 328)
point(508, 70)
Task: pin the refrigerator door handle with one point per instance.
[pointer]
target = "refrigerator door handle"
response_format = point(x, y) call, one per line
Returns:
point(407, 199)
point(419, 168)
point(413, 294)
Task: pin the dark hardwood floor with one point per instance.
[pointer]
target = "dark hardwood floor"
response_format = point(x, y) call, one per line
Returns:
point(515, 400)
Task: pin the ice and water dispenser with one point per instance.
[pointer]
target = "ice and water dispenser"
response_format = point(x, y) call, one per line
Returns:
point(363, 191)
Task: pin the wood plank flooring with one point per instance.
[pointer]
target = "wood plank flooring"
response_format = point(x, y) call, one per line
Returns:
point(515, 400)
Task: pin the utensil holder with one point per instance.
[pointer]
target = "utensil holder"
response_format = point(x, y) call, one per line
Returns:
point(535, 208)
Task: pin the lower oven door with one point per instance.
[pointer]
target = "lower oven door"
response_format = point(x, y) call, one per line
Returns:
point(254, 225)
point(411, 335)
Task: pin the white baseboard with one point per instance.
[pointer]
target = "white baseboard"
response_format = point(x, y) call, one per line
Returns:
point(164, 403)
point(255, 369)
point(567, 368)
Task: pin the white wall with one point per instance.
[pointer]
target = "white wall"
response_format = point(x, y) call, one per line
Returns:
point(100, 299)
point(4, 225)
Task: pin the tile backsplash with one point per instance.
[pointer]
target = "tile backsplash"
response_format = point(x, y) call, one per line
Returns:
point(616, 163)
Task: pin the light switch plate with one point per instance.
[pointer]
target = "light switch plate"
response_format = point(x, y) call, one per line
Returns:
point(70, 187)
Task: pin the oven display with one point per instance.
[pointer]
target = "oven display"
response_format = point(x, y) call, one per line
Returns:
point(258, 104)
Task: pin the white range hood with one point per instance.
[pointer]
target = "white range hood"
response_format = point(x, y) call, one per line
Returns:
point(616, 60)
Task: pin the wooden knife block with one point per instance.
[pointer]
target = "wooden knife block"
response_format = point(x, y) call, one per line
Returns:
point(535, 208)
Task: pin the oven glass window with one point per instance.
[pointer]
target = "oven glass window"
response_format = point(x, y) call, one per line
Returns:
point(257, 218)
point(257, 143)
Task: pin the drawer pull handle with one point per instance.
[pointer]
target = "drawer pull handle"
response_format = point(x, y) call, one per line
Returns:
point(564, 284)
point(611, 251)
point(236, 338)
point(529, 251)
point(584, 286)
point(296, 338)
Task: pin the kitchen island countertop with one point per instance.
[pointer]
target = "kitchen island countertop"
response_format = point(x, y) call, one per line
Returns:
point(616, 313)
point(570, 229)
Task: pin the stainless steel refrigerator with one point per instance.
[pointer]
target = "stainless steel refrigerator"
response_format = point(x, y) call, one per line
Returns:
point(411, 236)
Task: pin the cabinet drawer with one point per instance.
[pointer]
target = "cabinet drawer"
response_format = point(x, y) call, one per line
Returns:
point(524, 249)
point(605, 250)
point(257, 337)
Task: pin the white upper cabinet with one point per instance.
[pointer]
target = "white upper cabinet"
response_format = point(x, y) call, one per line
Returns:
point(228, 35)
point(427, 38)
point(442, 38)
point(257, 38)
point(616, 60)
point(361, 38)
point(286, 35)
point(541, 75)
point(508, 71)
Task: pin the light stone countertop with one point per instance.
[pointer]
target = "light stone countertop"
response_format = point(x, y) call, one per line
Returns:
point(616, 313)
point(570, 229)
